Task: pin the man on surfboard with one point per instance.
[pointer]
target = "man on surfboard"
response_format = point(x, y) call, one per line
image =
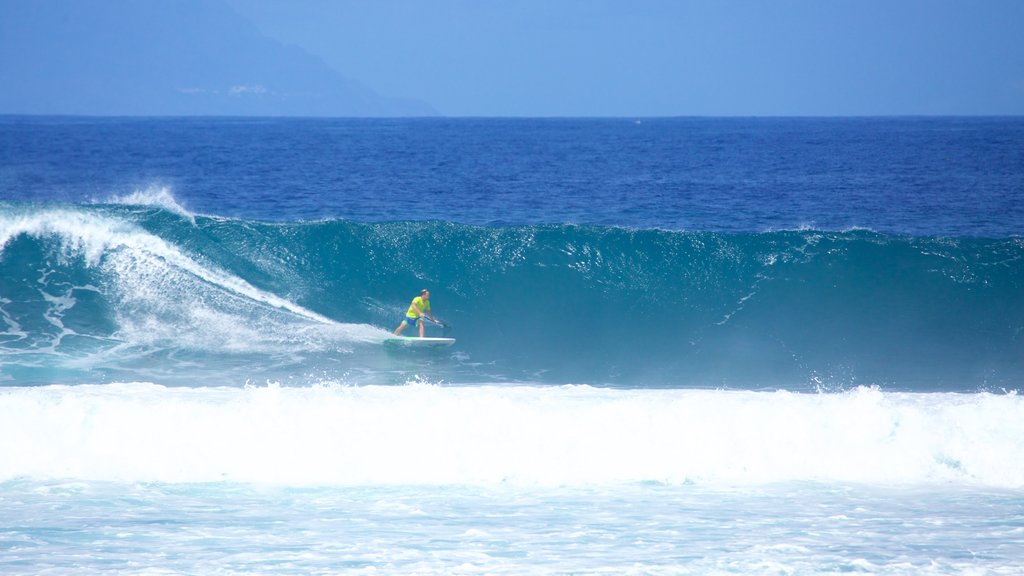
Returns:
point(419, 308)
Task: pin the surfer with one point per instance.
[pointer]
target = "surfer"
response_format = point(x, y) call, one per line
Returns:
point(419, 308)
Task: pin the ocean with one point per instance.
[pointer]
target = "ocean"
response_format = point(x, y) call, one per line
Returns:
point(683, 346)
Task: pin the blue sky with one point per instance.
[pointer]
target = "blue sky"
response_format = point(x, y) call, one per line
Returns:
point(668, 57)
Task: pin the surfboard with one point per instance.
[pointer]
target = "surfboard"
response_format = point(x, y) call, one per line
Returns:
point(419, 342)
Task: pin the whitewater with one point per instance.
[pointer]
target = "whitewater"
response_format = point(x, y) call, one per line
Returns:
point(676, 353)
point(508, 435)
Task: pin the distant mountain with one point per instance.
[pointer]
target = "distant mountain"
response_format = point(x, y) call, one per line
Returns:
point(166, 57)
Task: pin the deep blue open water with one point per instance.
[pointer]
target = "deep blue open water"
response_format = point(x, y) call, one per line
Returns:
point(684, 346)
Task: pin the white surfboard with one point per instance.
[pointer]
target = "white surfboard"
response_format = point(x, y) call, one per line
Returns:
point(419, 342)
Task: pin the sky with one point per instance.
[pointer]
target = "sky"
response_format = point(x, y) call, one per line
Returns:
point(668, 57)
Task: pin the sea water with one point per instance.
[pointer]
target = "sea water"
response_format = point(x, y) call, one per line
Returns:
point(684, 346)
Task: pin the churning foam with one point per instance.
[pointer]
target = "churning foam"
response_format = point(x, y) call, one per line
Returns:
point(427, 434)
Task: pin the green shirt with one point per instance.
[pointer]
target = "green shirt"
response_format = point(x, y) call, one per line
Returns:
point(417, 302)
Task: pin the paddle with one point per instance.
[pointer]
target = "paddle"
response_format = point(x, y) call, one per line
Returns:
point(447, 328)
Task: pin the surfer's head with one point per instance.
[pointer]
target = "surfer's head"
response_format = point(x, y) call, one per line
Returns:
point(425, 293)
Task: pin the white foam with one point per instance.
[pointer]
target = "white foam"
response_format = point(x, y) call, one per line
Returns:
point(575, 435)
point(163, 293)
point(14, 329)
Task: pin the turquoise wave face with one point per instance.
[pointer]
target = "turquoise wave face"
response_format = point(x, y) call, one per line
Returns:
point(110, 292)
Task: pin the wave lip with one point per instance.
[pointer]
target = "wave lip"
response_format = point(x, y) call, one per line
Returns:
point(155, 196)
point(86, 278)
point(486, 435)
point(134, 254)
